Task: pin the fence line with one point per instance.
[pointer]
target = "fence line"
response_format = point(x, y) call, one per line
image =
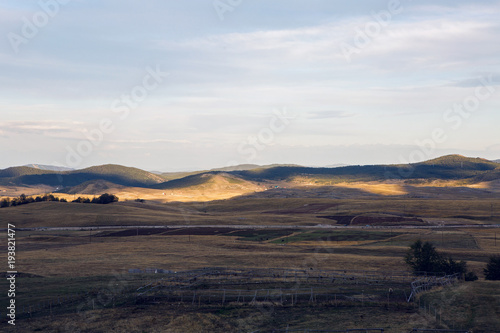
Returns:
point(427, 283)
point(416, 330)
point(367, 330)
point(282, 297)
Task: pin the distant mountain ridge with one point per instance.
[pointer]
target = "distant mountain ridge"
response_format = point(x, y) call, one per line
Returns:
point(446, 167)
point(116, 174)
point(451, 167)
point(207, 180)
point(240, 167)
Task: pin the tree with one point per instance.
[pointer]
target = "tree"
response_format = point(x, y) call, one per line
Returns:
point(471, 276)
point(450, 266)
point(81, 200)
point(492, 270)
point(5, 203)
point(423, 257)
point(105, 199)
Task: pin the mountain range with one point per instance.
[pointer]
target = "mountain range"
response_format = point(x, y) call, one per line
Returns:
point(451, 167)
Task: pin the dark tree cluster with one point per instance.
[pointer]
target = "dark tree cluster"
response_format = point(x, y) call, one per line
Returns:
point(492, 270)
point(23, 200)
point(423, 257)
point(103, 199)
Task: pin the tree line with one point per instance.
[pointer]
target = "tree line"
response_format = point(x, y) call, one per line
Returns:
point(23, 199)
point(424, 258)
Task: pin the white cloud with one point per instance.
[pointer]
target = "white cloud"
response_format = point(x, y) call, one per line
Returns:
point(46, 128)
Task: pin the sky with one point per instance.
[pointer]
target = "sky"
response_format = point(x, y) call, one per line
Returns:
point(173, 85)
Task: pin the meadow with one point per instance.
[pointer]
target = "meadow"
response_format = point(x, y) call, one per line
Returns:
point(77, 263)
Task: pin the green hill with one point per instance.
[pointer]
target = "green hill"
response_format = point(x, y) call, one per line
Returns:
point(112, 173)
point(459, 161)
point(488, 176)
point(451, 167)
point(447, 168)
point(204, 179)
point(241, 167)
point(21, 171)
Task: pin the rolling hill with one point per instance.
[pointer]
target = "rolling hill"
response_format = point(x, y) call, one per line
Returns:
point(241, 167)
point(20, 171)
point(210, 180)
point(95, 187)
point(451, 167)
point(117, 174)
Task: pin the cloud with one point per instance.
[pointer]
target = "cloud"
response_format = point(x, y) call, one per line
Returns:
point(150, 141)
point(476, 81)
point(47, 128)
point(328, 114)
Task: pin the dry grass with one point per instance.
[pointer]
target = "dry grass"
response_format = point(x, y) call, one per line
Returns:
point(473, 304)
point(377, 188)
point(64, 255)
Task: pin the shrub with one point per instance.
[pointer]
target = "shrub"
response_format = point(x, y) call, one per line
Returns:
point(492, 270)
point(423, 257)
point(471, 276)
point(105, 199)
point(81, 200)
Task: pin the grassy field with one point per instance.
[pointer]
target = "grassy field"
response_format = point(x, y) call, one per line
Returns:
point(77, 265)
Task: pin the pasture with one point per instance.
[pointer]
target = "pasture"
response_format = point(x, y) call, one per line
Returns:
point(76, 264)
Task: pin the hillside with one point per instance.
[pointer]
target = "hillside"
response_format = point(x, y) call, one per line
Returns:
point(450, 167)
point(95, 187)
point(488, 176)
point(113, 173)
point(213, 181)
point(496, 161)
point(241, 167)
point(21, 171)
point(463, 162)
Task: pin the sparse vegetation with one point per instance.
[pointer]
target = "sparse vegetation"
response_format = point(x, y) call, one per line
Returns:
point(23, 200)
point(102, 199)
